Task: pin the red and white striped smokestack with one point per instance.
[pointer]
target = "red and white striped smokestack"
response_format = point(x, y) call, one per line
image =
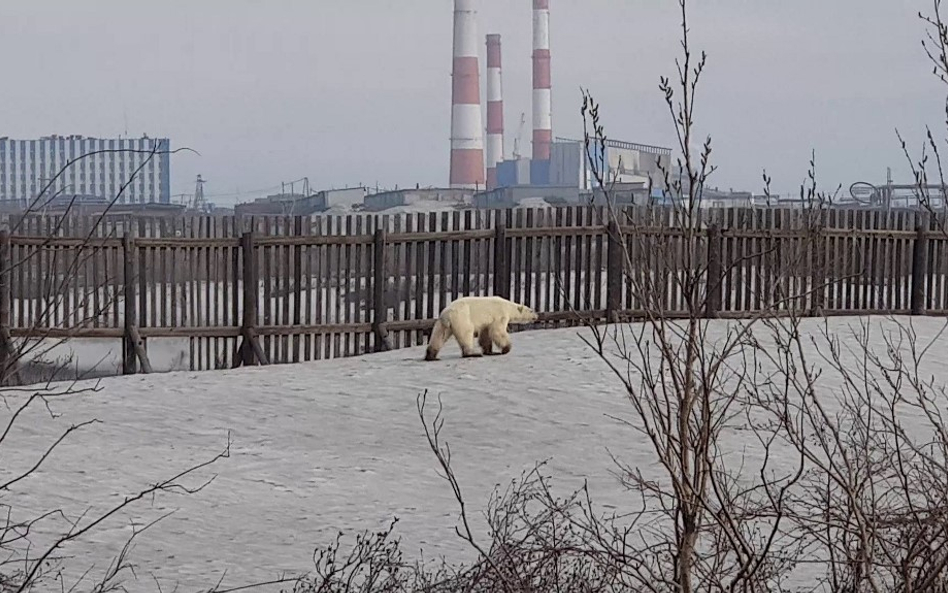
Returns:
point(467, 135)
point(542, 87)
point(495, 110)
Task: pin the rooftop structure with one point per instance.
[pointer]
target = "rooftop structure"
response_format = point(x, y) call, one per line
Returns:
point(432, 197)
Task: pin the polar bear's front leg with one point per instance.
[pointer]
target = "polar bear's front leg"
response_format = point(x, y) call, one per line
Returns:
point(501, 337)
point(486, 341)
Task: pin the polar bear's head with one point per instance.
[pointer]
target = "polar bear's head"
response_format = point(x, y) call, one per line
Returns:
point(526, 315)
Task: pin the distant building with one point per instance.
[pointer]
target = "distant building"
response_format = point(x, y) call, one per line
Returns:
point(895, 196)
point(103, 167)
point(513, 172)
point(272, 205)
point(713, 197)
point(623, 194)
point(622, 162)
point(330, 199)
point(511, 197)
point(301, 205)
point(95, 205)
point(418, 197)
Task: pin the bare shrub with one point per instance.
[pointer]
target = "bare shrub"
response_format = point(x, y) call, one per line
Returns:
point(871, 510)
point(536, 542)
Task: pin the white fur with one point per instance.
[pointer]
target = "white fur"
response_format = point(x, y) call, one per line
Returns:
point(484, 318)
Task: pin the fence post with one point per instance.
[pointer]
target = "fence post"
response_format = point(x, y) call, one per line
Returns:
point(614, 273)
point(714, 297)
point(130, 359)
point(250, 348)
point(379, 277)
point(6, 340)
point(501, 273)
point(818, 247)
point(919, 266)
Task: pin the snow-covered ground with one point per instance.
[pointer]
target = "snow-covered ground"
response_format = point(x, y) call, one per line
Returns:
point(332, 445)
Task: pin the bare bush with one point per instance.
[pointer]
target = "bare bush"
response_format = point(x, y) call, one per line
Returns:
point(871, 509)
point(536, 541)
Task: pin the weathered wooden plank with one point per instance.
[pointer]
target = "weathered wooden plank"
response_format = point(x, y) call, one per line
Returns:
point(432, 248)
point(348, 309)
point(454, 223)
point(600, 257)
point(339, 263)
point(528, 260)
point(322, 288)
point(211, 304)
point(769, 264)
point(420, 276)
point(555, 298)
point(728, 289)
point(97, 281)
point(194, 349)
point(393, 290)
point(468, 265)
point(265, 253)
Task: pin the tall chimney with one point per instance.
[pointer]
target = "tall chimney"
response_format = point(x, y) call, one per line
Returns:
point(495, 110)
point(542, 94)
point(467, 139)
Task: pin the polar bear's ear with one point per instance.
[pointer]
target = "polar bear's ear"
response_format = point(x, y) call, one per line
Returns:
point(520, 308)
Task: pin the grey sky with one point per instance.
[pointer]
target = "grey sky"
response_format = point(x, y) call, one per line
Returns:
point(350, 91)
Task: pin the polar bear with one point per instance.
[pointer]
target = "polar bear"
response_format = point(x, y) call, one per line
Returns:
point(484, 318)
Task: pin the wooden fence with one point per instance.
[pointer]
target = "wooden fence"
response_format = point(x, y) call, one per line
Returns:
point(277, 290)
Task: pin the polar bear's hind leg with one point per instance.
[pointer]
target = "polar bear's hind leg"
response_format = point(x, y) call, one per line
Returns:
point(439, 335)
point(464, 334)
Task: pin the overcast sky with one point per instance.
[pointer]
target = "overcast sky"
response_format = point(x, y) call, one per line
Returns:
point(358, 91)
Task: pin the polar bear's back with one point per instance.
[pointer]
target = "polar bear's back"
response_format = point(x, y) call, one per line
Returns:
point(482, 310)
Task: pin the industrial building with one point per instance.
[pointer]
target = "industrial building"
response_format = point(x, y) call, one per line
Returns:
point(467, 160)
point(558, 169)
point(100, 169)
point(515, 195)
point(419, 196)
point(290, 204)
point(636, 194)
point(621, 162)
point(714, 197)
point(94, 206)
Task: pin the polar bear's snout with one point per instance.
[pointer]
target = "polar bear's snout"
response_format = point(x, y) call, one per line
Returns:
point(529, 315)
